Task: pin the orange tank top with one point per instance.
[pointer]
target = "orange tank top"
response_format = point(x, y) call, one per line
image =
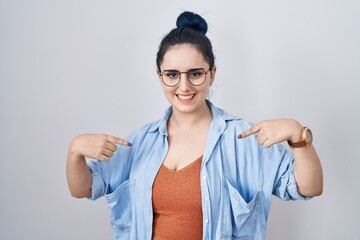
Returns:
point(177, 203)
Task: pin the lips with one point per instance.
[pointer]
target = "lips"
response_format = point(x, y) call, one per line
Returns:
point(185, 97)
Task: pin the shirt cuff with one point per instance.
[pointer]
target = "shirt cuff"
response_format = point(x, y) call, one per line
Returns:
point(97, 183)
point(293, 190)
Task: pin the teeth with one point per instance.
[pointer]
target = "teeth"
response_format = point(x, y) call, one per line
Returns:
point(187, 97)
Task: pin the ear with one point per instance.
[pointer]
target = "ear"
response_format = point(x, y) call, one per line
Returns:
point(212, 75)
point(158, 72)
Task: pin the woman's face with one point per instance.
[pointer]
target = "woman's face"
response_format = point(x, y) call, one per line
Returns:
point(185, 97)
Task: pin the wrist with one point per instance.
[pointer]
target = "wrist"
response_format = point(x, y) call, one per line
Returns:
point(73, 150)
point(305, 139)
point(297, 133)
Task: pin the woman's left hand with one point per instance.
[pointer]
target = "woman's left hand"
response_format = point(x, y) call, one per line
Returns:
point(274, 131)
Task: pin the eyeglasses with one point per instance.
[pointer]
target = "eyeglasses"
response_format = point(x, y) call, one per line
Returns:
point(196, 77)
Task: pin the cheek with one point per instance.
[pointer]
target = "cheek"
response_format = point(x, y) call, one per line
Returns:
point(205, 89)
point(167, 91)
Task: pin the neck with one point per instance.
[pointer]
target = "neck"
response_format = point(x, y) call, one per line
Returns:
point(191, 119)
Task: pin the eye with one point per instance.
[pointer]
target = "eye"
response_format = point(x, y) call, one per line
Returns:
point(196, 73)
point(172, 75)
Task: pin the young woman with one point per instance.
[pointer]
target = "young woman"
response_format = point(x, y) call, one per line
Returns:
point(198, 172)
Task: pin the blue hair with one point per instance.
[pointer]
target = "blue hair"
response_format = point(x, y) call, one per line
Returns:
point(191, 29)
point(192, 20)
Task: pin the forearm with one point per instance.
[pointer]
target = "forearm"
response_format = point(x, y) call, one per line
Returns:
point(78, 176)
point(308, 171)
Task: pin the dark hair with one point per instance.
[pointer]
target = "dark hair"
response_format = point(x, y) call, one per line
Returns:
point(191, 29)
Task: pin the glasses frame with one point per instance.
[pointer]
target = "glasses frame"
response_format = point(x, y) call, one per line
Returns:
point(187, 76)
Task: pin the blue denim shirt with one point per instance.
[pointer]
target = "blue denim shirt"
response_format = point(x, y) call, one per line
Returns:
point(238, 178)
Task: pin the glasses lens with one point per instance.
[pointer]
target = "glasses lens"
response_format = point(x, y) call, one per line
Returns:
point(170, 78)
point(197, 76)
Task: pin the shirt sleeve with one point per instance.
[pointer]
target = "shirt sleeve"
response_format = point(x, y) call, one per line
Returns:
point(98, 185)
point(285, 186)
point(107, 176)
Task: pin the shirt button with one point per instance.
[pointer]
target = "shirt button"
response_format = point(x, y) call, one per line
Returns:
point(206, 198)
point(206, 220)
point(204, 177)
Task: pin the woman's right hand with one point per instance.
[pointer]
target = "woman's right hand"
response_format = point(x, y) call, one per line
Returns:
point(96, 146)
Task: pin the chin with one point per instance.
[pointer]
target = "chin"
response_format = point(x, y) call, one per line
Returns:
point(184, 108)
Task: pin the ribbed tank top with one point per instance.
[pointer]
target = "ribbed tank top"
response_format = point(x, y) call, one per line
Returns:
point(177, 203)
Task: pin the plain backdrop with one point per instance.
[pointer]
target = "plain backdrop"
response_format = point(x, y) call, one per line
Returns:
point(84, 66)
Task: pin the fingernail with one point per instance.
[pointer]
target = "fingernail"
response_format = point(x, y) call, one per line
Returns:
point(240, 136)
point(129, 144)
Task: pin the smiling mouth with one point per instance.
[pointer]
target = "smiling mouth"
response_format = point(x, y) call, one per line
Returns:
point(185, 97)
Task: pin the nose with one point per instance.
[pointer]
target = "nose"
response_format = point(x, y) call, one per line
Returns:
point(184, 84)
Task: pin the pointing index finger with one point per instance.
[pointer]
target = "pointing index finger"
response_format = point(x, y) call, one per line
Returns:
point(117, 140)
point(254, 129)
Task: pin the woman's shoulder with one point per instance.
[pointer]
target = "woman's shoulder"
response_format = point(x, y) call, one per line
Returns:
point(221, 116)
point(147, 128)
point(156, 126)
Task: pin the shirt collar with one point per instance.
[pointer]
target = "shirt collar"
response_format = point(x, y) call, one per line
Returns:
point(219, 118)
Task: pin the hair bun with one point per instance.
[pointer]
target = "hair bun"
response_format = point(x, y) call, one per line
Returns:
point(192, 20)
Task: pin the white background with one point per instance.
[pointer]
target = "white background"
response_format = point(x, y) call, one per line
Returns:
point(85, 66)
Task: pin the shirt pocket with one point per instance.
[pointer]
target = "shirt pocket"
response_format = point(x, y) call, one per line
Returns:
point(120, 204)
point(239, 219)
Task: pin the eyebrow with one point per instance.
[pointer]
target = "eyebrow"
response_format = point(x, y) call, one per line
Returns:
point(175, 70)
